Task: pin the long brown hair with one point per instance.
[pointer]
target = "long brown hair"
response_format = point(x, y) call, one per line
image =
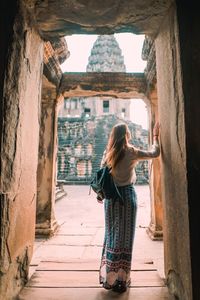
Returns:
point(117, 143)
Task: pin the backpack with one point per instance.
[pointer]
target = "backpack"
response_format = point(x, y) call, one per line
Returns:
point(104, 186)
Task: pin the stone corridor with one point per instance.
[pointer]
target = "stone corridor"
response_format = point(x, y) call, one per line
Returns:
point(66, 265)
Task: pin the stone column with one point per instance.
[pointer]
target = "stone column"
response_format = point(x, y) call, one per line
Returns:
point(46, 173)
point(21, 63)
point(155, 229)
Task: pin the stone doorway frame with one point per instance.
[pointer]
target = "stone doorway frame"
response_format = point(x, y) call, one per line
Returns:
point(117, 85)
point(177, 95)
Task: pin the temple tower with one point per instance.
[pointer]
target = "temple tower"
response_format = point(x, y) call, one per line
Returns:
point(106, 56)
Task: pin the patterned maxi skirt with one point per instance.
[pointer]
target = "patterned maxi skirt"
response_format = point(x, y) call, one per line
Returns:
point(120, 221)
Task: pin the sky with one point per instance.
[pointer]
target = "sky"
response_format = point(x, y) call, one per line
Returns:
point(131, 45)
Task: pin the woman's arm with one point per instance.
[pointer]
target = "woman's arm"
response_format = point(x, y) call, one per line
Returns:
point(152, 153)
point(155, 148)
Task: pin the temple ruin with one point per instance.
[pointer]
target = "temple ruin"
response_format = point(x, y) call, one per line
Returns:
point(84, 123)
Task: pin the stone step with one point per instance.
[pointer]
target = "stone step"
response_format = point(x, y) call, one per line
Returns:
point(83, 279)
point(86, 265)
point(150, 293)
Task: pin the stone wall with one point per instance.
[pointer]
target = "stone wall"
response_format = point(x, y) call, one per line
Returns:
point(19, 155)
point(174, 180)
point(189, 64)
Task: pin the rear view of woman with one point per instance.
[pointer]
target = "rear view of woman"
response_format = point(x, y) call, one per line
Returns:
point(120, 219)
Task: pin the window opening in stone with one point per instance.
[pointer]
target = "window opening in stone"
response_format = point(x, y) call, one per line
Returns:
point(106, 106)
point(87, 112)
point(123, 112)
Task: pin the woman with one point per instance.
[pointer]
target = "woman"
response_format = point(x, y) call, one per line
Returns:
point(120, 219)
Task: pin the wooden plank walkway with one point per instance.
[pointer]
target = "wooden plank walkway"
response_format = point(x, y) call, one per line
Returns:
point(93, 294)
point(65, 267)
point(78, 280)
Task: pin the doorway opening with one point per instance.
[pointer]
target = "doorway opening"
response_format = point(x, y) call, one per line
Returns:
point(83, 128)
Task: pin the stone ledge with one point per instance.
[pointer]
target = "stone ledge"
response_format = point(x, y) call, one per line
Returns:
point(111, 84)
point(45, 229)
point(154, 234)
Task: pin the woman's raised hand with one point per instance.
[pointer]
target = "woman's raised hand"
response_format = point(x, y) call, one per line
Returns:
point(156, 129)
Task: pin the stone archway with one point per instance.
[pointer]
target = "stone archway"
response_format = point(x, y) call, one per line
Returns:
point(125, 86)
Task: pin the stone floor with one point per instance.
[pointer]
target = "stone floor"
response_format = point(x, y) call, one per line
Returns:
point(66, 265)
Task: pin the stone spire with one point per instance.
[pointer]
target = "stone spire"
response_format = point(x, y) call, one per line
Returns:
point(106, 56)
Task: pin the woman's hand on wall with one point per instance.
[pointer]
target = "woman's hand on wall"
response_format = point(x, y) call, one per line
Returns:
point(156, 130)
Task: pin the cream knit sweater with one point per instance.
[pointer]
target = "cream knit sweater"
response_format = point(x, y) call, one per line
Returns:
point(124, 173)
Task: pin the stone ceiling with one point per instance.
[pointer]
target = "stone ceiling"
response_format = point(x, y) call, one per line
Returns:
point(65, 17)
